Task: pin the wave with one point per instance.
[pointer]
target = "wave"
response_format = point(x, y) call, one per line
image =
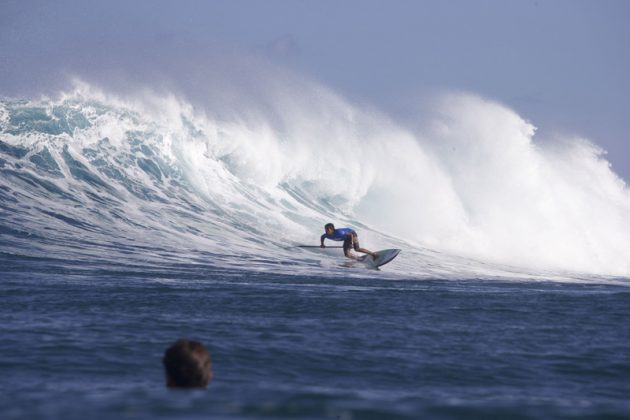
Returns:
point(467, 192)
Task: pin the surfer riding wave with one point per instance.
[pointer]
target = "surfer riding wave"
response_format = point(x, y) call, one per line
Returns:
point(348, 236)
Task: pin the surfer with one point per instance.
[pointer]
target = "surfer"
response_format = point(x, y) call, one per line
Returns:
point(349, 238)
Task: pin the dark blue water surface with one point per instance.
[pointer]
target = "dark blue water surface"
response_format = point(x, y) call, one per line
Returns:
point(83, 341)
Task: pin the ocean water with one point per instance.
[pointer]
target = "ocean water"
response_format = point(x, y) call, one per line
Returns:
point(129, 222)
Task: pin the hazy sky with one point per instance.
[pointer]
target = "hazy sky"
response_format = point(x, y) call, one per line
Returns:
point(563, 65)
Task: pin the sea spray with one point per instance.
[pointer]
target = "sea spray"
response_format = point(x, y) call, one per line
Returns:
point(530, 203)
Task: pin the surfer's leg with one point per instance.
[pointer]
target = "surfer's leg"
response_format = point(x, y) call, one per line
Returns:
point(358, 248)
point(347, 246)
point(365, 251)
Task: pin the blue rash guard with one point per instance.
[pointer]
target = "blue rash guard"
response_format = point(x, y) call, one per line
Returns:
point(338, 234)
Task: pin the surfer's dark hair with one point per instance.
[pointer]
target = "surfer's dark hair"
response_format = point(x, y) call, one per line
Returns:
point(329, 225)
point(188, 365)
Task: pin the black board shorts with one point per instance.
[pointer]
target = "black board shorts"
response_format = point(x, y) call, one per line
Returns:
point(347, 243)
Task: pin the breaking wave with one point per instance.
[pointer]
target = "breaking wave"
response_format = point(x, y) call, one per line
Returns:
point(94, 176)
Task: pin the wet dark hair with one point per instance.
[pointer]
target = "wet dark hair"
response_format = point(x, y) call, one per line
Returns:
point(329, 225)
point(188, 365)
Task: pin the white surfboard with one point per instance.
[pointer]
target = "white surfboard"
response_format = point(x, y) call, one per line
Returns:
point(382, 257)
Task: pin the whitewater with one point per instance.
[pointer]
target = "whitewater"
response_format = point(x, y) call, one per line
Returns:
point(467, 190)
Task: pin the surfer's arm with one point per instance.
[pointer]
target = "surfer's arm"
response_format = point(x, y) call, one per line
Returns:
point(322, 241)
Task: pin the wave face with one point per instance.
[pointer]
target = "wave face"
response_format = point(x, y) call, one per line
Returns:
point(91, 176)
